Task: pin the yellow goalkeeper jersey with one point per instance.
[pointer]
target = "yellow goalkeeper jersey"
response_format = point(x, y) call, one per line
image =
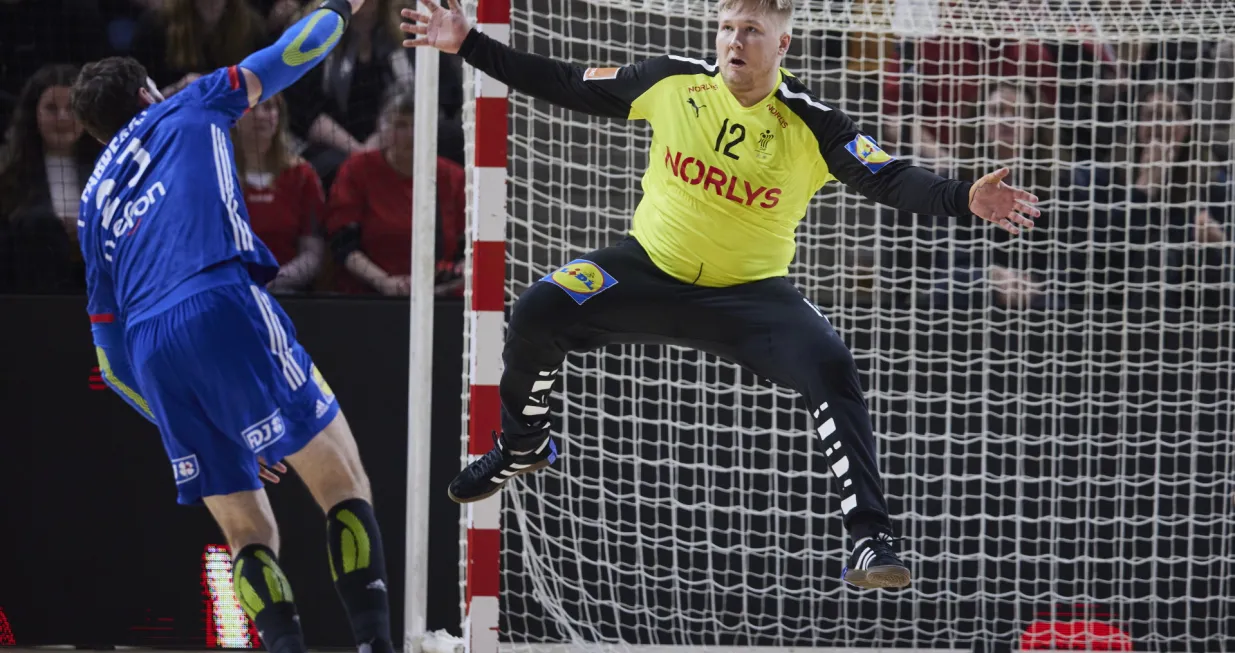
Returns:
point(726, 185)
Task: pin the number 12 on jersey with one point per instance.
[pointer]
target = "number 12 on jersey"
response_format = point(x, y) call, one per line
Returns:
point(738, 131)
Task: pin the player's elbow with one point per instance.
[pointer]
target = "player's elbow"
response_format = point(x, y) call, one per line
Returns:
point(253, 84)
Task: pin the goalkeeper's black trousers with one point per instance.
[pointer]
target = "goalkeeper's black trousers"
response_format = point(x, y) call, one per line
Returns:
point(617, 295)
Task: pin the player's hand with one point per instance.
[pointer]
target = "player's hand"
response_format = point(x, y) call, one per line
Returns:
point(441, 28)
point(994, 201)
point(356, 5)
point(268, 472)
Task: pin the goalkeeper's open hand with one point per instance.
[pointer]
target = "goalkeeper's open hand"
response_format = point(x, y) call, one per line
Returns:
point(1010, 208)
point(443, 29)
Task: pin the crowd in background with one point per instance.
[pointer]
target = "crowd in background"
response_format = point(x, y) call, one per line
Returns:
point(1129, 147)
point(326, 166)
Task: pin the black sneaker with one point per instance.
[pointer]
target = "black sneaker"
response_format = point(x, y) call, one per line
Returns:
point(486, 475)
point(874, 563)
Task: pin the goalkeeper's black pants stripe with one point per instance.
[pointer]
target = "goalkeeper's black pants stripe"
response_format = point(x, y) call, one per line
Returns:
point(766, 326)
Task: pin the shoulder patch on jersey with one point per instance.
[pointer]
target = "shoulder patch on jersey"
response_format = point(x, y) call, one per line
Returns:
point(593, 74)
point(865, 149)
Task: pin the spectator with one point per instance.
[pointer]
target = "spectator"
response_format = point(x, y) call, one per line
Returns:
point(930, 81)
point(44, 164)
point(1155, 206)
point(283, 194)
point(1011, 131)
point(335, 107)
point(190, 37)
point(371, 210)
point(279, 13)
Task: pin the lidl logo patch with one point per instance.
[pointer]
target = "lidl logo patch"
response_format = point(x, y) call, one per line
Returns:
point(865, 149)
point(581, 279)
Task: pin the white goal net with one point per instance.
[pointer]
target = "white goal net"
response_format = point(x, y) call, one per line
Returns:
point(1054, 413)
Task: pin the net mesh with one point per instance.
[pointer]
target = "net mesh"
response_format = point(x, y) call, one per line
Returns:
point(1054, 412)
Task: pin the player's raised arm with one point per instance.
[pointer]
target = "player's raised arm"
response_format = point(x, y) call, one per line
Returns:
point(564, 84)
point(857, 161)
point(305, 44)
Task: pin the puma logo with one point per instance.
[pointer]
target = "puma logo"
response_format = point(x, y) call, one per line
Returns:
point(696, 107)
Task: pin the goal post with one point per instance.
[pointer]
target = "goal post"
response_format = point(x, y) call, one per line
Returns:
point(1054, 413)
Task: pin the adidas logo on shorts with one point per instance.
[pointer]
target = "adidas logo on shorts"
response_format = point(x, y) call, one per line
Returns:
point(322, 407)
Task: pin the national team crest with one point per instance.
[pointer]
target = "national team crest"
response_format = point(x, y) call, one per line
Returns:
point(865, 149)
point(765, 140)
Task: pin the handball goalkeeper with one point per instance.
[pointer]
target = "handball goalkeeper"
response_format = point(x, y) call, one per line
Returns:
point(739, 147)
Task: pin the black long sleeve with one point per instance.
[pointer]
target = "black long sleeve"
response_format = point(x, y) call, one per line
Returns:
point(597, 91)
point(856, 160)
point(903, 186)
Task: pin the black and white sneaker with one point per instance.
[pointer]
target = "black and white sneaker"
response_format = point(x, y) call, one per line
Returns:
point(874, 563)
point(486, 475)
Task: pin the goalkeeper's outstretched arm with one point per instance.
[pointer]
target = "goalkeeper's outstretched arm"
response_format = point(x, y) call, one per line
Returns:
point(561, 83)
point(857, 161)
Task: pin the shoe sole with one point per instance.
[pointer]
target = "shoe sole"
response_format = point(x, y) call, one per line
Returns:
point(481, 497)
point(885, 576)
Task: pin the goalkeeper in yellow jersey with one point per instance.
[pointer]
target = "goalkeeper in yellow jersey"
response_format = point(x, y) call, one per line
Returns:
point(739, 147)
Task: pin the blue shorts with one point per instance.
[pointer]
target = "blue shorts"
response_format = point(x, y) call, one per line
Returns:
point(227, 382)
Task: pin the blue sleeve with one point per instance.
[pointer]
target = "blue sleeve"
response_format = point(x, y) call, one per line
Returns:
point(303, 46)
point(109, 347)
point(223, 91)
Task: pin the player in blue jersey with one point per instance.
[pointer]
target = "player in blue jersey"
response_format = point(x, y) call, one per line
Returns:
point(186, 333)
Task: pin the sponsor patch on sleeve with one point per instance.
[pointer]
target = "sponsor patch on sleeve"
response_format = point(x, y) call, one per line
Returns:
point(865, 149)
point(594, 74)
point(581, 279)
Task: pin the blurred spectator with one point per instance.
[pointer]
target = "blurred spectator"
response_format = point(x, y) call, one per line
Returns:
point(1011, 131)
point(37, 32)
point(930, 82)
point(279, 13)
point(283, 194)
point(120, 19)
point(371, 211)
point(1153, 205)
point(187, 38)
point(44, 164)
point(335, 107)
point(956, 263)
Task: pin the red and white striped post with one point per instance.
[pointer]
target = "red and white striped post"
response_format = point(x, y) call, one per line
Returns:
point(487, 315)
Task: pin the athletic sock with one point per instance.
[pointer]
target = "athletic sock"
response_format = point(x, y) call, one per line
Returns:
point(266, 597)
point(358, 566)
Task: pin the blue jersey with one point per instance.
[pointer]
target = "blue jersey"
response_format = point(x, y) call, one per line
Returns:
point(164, 203)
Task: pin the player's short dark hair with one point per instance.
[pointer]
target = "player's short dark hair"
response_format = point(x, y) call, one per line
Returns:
point(105, 95)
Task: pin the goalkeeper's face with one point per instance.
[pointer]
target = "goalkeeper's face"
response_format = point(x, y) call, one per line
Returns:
point(750, 43)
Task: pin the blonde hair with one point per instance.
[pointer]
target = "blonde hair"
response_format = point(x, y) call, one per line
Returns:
point(782, 9)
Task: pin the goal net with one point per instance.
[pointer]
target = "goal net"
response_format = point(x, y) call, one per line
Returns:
point(1054, 413)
